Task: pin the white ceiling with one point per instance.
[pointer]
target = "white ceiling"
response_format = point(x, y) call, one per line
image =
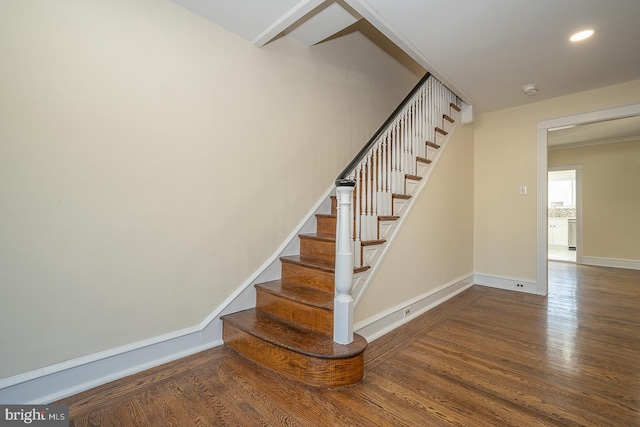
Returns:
point(485, 50)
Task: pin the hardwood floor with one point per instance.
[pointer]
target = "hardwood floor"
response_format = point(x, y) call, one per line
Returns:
point(486, 357)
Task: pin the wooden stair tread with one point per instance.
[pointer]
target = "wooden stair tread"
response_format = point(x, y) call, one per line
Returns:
point(372, 242)
point(401, 196)
point(454, 106)
point(441, 131)
point(318, 236)
point(388, 217)
point(448, 118)
point(423, 160)
point(433, 145)
point(299, 293)
point(293, 337)
point(326, 215)
point(317, 263)
point(307, 261)
point(413, 177)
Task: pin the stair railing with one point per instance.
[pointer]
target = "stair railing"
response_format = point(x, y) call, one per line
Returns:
point(366, 186)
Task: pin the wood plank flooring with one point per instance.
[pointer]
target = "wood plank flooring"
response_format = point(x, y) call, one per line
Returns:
point(487, 357)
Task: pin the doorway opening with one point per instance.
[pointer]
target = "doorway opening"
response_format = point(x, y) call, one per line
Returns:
point(563, 213)
point(543, 128)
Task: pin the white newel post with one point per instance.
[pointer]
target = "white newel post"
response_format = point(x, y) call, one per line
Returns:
point(343, 302)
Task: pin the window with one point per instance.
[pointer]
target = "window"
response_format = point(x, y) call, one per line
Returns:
point(562, 189)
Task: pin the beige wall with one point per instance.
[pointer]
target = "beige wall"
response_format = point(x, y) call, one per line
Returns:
point(150, 161)
point(505, 158)
point(435, 245)
point(610, 197)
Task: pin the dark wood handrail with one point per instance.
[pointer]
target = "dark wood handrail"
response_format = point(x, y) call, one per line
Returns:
point(342, 179)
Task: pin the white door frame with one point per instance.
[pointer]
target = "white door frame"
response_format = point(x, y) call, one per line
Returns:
point(543, 127)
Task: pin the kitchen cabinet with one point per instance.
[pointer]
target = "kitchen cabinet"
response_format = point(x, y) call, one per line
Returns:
point(559, 232)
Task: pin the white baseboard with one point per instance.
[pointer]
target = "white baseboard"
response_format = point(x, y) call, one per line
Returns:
point(54, 382)
point(504, 282)
point(388, 320)
point(611, 262)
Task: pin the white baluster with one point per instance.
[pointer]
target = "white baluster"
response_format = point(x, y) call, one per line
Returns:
point(412, 134)
point(364, 182)
point(357, 232)
point(431, 129)
point(420, 120)
point(369, 189)
point(374, 182)
point(396, 161)
point(403, 145)
point(384, 173)
point(387, 164)
point(420, 125)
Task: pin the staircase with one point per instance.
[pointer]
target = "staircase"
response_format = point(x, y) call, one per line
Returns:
point(292, 329)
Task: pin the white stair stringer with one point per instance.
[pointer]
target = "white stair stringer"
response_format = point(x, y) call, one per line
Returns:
point(371, 253)
point(411, 186)
point(431, 153)
point(422, 169)
point(386, 228)
point(359, 280)
point(400, 205)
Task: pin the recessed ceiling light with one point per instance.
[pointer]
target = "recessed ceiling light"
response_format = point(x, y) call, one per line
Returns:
point(531, 89)
point(581, 35)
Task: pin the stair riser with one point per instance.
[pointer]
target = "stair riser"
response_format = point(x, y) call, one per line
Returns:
point(326, 225)
point(422, 169)
point(312, 277)
point(386, 229)
point(318, 248)
point(314, 318)
point(411, 186)
point(306, 369)
point(370, 254)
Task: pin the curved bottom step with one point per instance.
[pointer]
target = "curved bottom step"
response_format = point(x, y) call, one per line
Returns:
point(298, 353)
